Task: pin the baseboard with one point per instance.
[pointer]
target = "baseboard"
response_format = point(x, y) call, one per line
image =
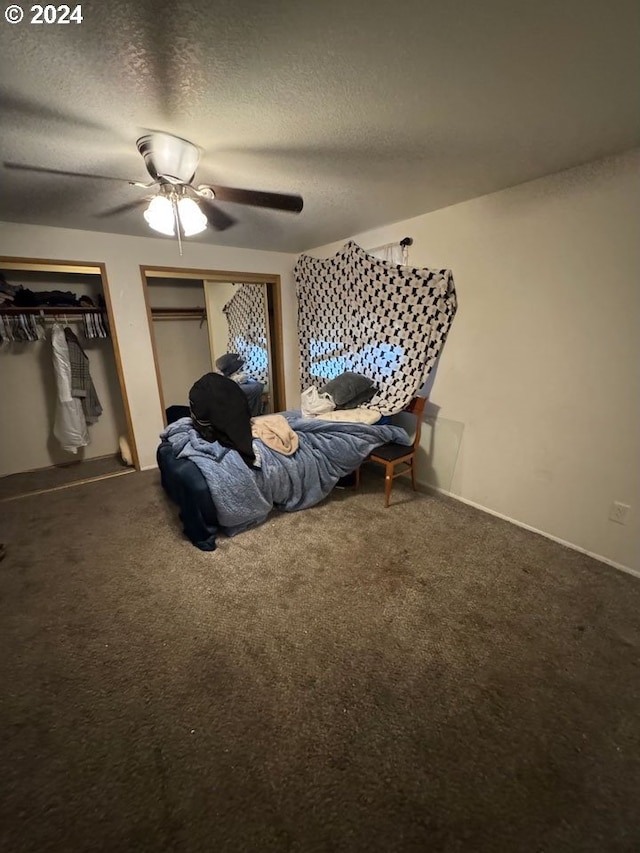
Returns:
point(599, 557)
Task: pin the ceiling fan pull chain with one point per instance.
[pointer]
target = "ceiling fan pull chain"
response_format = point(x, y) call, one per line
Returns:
point(174, 205)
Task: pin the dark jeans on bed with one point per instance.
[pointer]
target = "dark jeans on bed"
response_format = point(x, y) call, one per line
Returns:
point(182, 481)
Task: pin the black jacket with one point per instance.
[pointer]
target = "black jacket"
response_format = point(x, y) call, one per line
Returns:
point(220, 412)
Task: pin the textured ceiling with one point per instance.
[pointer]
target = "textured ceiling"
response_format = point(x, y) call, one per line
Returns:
point(372, 111)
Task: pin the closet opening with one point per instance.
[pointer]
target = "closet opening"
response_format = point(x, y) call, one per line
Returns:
point(65, 416)
point(198, 319)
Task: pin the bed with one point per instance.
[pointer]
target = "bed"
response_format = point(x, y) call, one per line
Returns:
point(216, 492)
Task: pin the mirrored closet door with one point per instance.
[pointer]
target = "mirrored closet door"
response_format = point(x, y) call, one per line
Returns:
point(239, 338)
point(203, 320)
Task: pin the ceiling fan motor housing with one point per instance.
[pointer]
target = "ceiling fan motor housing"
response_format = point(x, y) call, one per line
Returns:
point(169, 157)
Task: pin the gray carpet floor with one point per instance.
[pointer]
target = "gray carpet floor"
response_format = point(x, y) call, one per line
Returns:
point(16, 485)
point(347, 678)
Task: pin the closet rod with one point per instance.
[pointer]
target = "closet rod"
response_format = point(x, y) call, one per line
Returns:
point(200, 317)
point(179, 314)
point(51, 309)
point(195, 310)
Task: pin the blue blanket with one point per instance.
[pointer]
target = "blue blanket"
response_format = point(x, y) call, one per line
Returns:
point(244, 496)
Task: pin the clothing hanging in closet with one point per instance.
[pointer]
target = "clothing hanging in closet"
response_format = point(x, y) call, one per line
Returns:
point(95, 325)
point(19, 328)
point(81, 383)
point(77, 403)
point(70, 426)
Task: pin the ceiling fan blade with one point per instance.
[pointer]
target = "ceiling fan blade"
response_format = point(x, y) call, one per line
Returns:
point(25, 168)
point(258, 198)
point(22, 108)
point(217, 218)
point(122, 208)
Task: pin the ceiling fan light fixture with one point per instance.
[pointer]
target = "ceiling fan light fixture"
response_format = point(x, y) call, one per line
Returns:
point(159, 215)
point(169, 156)
point(192, 219)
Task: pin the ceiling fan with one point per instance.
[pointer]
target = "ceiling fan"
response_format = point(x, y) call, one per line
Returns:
point(180, 207)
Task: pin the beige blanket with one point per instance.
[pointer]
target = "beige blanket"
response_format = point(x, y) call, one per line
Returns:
point(275, 432)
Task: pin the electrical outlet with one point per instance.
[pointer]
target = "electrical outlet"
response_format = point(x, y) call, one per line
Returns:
point(619, 512)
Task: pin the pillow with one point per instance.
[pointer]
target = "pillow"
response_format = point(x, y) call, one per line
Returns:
point(347, 387)
point(355, 416)
point(229, 363)
point(360, 399)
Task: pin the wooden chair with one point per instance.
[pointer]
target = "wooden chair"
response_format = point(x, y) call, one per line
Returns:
point(392, 455)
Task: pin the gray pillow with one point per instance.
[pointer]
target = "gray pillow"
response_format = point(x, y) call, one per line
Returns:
point(347, 388)
point(359, 399)
point(229, 363)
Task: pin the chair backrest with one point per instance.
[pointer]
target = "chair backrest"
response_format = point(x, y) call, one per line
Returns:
point(416, 407)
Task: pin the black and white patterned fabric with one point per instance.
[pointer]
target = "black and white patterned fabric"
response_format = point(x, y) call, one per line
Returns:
point(363, 314)
point(246, 318)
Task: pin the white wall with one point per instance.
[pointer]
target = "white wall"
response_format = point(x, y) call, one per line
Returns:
point(28, 388)
point(182, 346)
point(538, 415)
point(123, 257)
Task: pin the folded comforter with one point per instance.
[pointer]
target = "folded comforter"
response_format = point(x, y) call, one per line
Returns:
point(243, 496)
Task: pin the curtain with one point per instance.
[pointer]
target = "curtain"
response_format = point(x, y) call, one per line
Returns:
point(246, 318)
point(363, 314)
